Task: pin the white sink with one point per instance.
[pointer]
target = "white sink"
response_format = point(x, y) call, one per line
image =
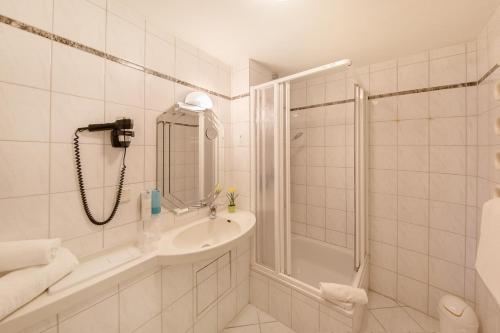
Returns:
point(205, 238)
point(207, 233)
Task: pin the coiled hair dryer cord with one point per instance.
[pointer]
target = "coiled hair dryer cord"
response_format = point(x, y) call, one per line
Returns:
point(81, 186)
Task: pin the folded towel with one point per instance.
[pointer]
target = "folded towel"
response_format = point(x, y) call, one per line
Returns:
point(19, 287)
point(343, 305)
point(342, 293)
point(26, 253)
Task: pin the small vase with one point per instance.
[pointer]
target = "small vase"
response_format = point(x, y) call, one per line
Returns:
point(231, 208)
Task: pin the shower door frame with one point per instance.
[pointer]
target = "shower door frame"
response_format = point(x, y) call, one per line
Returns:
point(282, 165)
point(259, 151)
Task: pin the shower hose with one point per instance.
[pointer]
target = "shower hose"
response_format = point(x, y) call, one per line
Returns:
point(81, 185)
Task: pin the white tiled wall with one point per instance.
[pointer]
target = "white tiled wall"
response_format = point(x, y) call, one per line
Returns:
point(48, 89)
point(237, 126)
point(488, 176)
point(422, 173)
point(428, 176)
point(430, 157)
point(322, 159)
point(422, 177)
point(423, 169)
point(198, 298)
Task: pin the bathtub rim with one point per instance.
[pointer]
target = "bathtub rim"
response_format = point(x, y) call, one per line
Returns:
point(361, 277)
point(345, 251)
point(357, 279)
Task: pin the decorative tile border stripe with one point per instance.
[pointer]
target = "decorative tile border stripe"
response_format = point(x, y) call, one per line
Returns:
point(488, 73)
point(240, 96)
point(322, 104)
point(56, 38)
point(45, 34)
point(409, 92)
point(422, 90)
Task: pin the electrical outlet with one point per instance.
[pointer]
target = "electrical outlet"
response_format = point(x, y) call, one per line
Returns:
point(125, 195)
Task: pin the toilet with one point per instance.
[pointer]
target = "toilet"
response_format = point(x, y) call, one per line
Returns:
point(456, 316)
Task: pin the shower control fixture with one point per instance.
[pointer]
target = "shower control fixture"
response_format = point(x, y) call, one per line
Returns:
point(121, 137)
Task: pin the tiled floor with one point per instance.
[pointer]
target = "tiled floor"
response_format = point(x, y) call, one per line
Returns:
point(252, 320)
point(383, 316)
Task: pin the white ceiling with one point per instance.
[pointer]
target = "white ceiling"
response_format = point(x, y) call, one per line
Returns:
point(292, 35)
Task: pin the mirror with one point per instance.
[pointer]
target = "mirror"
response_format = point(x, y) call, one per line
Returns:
point(187, 156)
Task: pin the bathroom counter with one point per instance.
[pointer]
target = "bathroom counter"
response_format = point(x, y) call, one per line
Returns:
point(171, 250)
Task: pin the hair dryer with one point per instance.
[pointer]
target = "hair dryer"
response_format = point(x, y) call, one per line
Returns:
point(121, 131)
point(121, 136)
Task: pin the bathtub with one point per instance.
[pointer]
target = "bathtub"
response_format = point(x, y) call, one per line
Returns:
point(314, 262)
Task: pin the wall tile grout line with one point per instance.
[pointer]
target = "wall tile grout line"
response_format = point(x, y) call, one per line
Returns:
point(143, 224)
point(50, 125)
point(476, 172)
point(416, 252)
point(428, 283)
point(103, 152)
point(396, 176)
point(464, 263)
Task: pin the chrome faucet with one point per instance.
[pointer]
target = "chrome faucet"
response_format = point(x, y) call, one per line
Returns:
point(212, 210)
point(212, 206)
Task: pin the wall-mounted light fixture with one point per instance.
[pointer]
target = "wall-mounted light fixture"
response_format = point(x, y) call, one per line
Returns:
point(196, 101)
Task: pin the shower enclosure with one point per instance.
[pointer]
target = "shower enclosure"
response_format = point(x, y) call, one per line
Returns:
point(308, 184)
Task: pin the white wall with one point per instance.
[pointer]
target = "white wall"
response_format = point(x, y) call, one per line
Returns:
point(422, 172)
point(322, 158)
point(462, 177)
point(488, 176)
point(237, 125)
point(429, 172)
point(422, 177)
point(48, 89)
point(431, 152)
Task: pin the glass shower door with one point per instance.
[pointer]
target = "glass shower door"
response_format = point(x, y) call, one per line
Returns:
point(269, 105)
point(286, 171)
point(327, 170)
point(265, 127)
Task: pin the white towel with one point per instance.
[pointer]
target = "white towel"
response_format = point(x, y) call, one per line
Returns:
point(19, 287)
point(488, 247)
point(342, 293)
point(26, 253)
point(343, 305)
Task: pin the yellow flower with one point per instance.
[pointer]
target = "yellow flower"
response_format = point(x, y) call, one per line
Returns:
point(231, 189)
point(218, 188)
